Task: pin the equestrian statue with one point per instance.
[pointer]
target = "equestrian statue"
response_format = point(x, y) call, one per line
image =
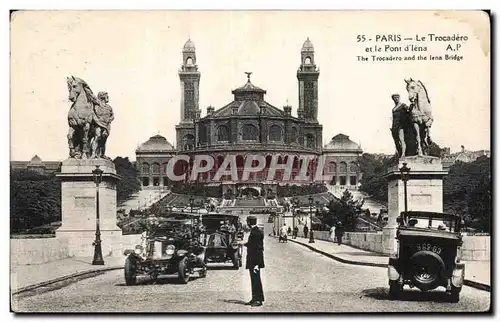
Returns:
point(89, 120)
point(411, 124)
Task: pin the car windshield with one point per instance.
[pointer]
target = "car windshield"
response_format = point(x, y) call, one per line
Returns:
point(430, 222)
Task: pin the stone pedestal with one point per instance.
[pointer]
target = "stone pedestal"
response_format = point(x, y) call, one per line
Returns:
point(424, 190)
point(78, 207)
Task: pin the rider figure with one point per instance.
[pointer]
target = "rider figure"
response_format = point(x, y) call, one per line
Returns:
point(103, 116)
point(400, 122)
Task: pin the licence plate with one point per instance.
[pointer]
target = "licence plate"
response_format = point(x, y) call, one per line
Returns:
point(429, 247)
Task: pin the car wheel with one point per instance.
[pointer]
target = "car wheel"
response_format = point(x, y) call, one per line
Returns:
point(184, 272)
point(395, 289)
point(203, 272)
point(236, 259)
point(130, 271)
point(454, 295)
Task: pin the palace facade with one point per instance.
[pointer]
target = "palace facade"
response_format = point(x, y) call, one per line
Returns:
point(249, 125)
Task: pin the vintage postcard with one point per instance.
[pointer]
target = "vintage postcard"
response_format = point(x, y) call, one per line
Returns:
point(250, 161)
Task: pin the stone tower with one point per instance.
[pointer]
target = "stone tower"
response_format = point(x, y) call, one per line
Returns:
point(307, 76)
point(190, 83)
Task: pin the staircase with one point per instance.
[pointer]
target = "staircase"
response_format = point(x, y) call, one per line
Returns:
point(372, 205)
point(143, 199)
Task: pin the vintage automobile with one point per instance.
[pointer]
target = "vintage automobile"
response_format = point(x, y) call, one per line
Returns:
point(223, 239)
point(170, 245)
point(428, 253)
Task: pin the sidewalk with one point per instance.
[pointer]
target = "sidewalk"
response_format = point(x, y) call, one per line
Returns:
point(477, 273)
point(25, 276)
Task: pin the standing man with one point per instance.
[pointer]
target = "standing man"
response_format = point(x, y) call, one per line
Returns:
point(255, 260)
point(306, 230)
point(103, 116)
point(400, 122)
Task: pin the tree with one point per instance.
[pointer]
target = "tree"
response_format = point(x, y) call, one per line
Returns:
point(346, 210)
point(35, 199)
point(373, 182)
point(467, 192)
point(129, 183)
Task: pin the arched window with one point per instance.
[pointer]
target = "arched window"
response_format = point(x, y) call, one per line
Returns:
point(353, 167)
point(294, 135)
point(189, 61)
point(343, 167)
point(310, 141)
point(307, 61)
point(155, 168)
point(332, 167)
point(164, 167)
point(250, 132)
point(222, 133)
point(275, 133)
point(145, 168)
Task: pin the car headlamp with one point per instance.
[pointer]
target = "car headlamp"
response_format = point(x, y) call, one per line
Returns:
point(138, 249)
point(459, 255)
point(170, 250)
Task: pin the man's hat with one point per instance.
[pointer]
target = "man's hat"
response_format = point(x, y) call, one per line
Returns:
point(252, 219)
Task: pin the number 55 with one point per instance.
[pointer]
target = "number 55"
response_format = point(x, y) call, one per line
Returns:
point(361, 38)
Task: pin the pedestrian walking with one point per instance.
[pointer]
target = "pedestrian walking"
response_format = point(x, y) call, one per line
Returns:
point(306, 230)
point(289, 231)
point(332, 234)
point(339, 232)
point(255, 260)
point(295, 232)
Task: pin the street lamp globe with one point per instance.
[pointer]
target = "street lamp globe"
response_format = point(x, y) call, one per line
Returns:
point(404, 171)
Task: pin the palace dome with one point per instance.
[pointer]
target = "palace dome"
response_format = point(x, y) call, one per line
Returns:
point(35, 161)
point(341, 142)
point(155, 143)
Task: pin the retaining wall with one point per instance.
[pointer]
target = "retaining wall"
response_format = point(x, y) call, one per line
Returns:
point(30, 251)
point(474, 248)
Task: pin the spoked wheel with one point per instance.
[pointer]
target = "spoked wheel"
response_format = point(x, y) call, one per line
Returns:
point(395, 289)
point(130, 271)
point(184, 271)
point(203, 272)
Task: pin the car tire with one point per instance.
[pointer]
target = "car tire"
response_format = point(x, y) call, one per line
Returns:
point(236, 259)
point(454, 295)
point(427, 268)
point(184, 273)
point(130, 271)
point(395, 289)
point(203, 272)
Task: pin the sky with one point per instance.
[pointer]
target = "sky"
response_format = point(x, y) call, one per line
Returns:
point(135, 57)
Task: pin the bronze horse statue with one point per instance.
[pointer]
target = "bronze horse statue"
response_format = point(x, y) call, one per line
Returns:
point(421, 114)
point(80, 117)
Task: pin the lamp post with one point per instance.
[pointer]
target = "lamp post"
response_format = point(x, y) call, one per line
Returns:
point(191, 203)
point(404, 176)
point(97, 174)
point(294, 209)
point(311, 237)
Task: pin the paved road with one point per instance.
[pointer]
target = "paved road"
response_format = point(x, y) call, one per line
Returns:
point(295, 280)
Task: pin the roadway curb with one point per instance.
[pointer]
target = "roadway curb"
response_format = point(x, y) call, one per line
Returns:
point(82, 274)
point(476, 285)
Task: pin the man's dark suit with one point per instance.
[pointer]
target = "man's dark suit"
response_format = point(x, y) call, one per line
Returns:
point(255, 257)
